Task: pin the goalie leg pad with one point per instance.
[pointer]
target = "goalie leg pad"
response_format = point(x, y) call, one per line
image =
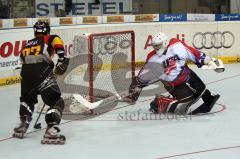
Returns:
point(205, 108)
point(181, 107)
point(161, 104)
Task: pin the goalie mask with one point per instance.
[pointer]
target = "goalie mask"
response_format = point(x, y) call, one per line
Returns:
point(41, 27)
point(160, 43)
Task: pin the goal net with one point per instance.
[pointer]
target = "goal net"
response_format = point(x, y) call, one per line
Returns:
point(101, 65)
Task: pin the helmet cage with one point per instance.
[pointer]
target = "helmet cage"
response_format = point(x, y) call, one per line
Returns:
point(41, 27)
point(160, 42)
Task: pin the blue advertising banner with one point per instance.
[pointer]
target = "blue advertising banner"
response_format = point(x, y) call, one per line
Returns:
point(227, 17)
point(172, 17)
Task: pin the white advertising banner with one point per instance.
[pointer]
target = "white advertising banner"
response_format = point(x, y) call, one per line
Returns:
point(200, 17)
point(215, 38)
point(11, 43)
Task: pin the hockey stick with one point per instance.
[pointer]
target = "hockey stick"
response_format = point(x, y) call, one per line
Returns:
point(111, 99)
point(38, 125)
point(92, 106)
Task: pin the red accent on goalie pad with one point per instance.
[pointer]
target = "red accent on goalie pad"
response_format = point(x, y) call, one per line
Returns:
point(163, 103)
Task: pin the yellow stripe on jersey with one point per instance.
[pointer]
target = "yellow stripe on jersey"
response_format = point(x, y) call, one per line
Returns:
point(56, 41)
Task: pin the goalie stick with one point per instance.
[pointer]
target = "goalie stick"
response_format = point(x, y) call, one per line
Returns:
point(91, 106)
point(116, 97)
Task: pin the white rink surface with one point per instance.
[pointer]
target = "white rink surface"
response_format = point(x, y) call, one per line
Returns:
point(213, 136)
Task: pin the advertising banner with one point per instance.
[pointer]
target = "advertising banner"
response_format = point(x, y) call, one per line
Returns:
point(172, 17)
point(20, 22)
point(200, 17)
point(11, 43)
point(115, 19)
point(145, 18)
point(215, 39)
point(66, 21)
point(227, 17)
point(90, 20)
point(82, 7)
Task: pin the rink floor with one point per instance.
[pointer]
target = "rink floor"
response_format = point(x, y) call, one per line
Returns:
point(130, 132)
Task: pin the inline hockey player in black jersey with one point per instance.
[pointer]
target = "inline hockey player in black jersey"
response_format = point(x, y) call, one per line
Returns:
point(38, 78)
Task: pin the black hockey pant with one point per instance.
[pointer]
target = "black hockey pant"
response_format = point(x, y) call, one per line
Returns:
point(51, 96)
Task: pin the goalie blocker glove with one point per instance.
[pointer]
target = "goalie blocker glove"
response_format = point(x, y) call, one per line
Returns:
point(134, 91)
point(61, 66)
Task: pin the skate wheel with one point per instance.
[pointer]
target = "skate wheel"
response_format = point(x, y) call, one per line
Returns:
point(53, 142)
point(44, 142)
point(19, 136)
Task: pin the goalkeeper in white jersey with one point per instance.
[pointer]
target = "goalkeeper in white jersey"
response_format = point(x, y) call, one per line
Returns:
point(168, 63)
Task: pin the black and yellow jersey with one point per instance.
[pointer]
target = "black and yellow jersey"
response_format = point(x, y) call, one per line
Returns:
point(42, 48)
point(37, 56)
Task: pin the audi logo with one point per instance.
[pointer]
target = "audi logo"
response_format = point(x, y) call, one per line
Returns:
point(217, 40)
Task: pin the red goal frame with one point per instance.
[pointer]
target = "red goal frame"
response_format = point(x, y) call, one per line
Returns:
point(90, 57)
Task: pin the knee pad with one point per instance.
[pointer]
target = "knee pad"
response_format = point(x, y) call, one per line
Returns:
point(54, 113)
point(53, 117)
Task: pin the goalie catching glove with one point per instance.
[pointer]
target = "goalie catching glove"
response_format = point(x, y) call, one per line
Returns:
point(217, 64)
point(61, 66)
point(214, 64)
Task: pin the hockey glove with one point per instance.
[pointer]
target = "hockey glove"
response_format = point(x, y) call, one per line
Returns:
point(219, 65)
point(61, 66)
point(134, 91)
point(214, 64)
